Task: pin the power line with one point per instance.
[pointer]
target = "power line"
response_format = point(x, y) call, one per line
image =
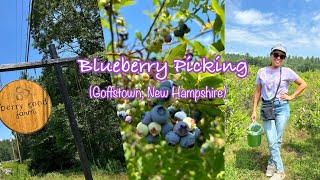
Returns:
point(28, 34)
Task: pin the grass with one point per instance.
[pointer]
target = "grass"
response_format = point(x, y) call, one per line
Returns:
point(300, 154)
point(19, 171)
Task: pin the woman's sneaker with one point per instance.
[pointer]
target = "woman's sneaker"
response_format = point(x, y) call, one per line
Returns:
point(271, 169)
point(278, 176)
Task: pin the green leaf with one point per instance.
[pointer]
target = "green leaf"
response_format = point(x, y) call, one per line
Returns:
point(196, 2)
point(177, 52)
point(200, 49)
point(219, 11)
point(155, 2)
point(184, 5)
point(212, 49)
point(139, 36)
point(198, 18)
point(172, 3)
point(128, 3)
point(219, 45)
point(213, 80)
point(217, 24)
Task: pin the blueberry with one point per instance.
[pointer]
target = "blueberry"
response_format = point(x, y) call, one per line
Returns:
point(167, 83)
point(154, 59)
point(204, 148)
point(187, 141)
point(181, 128)
point(146, 118)
point(142, 129)
point(180, 116)
point(172, 110)
point(154, 128)
point(152, 139)
point(196, 132)
point(167, 38)
point(128, 119)
point(184, 28)
point(191, 122)
point(159, 114)
point(178, 33)
point(122, 114)
point(165, 99)
point(168, 126)
point(172, 138)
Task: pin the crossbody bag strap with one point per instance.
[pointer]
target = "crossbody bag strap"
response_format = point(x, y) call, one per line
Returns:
point(278, 86)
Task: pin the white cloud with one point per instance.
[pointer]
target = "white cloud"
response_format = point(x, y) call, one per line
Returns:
point(246, 37)
point(253, 17)
point(316, 18)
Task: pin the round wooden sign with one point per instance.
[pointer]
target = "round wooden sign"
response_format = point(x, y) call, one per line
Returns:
point(25, 106)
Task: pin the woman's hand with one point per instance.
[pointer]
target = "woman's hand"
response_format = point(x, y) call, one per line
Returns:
point(254, 116)
point(286, 97)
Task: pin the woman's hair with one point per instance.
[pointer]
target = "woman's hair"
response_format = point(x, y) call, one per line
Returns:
point(270, 55)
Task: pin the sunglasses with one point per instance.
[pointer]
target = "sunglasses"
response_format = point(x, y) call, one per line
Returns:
point(276, 55)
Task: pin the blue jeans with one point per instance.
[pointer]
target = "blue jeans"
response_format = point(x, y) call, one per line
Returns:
point(274, 130)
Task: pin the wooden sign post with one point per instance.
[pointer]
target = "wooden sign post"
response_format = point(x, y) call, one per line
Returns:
point(36, 106)
point(25, 106)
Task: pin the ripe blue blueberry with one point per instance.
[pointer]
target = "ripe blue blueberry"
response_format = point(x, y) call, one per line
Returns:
point(167, 83)
point(180, 116)
point(146, 118)
point(172, 110)
point(172, 138)
point(168, 126)
point(152, 139)
point(159, 114)
point(196, 132)
point(181, 128)
point(165, 99)
point(187, 141)
point(122, 114)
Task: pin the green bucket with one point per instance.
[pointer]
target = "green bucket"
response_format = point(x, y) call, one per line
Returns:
point(254, 134)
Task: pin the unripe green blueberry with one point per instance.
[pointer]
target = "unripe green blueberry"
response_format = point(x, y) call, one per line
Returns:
point(142, 129)
point(145, 77)
point(164, 31)
point(154, 128)
point(191, 123)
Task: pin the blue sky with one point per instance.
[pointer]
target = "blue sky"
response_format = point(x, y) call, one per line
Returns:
point(255, 26)
point(13, 31)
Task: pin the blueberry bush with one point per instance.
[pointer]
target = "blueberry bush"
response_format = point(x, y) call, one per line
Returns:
point(169, 137)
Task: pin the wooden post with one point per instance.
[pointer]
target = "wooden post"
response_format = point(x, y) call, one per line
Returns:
point(73, 123)
point(17, 141)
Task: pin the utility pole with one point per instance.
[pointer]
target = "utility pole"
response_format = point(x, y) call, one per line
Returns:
point(73, 123)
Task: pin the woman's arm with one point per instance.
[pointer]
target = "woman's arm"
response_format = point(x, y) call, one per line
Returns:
point(257, 96)
point(301, 86)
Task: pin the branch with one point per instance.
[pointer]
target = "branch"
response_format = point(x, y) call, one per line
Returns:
point(190, 38)
point(154, 21)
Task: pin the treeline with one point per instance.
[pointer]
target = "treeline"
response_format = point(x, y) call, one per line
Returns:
point(294, 62)
point(8, 150)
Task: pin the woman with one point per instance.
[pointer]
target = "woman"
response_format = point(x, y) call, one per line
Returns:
point(268, 87)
